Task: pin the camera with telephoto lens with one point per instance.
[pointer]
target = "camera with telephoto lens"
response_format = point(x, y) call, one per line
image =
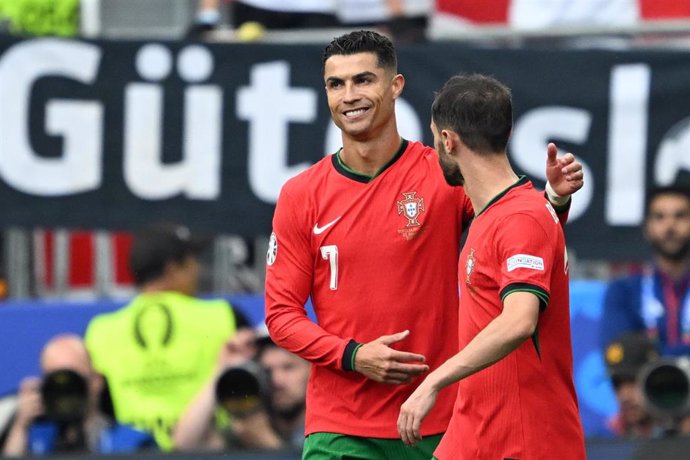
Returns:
point(65, 396)
point(663, 381)
point(665, 385)
point(239, 390)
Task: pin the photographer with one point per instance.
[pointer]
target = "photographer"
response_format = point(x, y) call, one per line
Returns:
point(60, 411)
point(625, 358)
point(215, 420)
point(287, 376)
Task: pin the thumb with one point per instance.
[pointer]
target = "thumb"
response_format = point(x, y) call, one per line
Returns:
point(551, 154)
point(389, 339)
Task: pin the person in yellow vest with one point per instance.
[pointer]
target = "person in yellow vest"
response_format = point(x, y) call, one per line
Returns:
point(159, 350)
point(40, 17)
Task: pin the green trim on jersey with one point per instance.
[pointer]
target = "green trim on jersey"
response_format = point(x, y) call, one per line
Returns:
point(541, 294)
point(535, 341)
point(354, 353)
point(521, 181)
point(341, 167)
point(334, 446)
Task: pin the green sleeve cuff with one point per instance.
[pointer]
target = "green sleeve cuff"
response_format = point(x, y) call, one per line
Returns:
point(541, 294)
point(349, 355)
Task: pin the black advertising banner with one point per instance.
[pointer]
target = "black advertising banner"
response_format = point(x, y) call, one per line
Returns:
point(116, 134)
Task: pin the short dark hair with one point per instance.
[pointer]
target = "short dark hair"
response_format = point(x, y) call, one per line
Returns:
point(656, 192)
point(158, 244)
point(477, 107)
point(364, 41)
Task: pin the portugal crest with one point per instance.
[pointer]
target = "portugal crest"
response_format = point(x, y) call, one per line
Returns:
point(411, 207)
point(469, 266)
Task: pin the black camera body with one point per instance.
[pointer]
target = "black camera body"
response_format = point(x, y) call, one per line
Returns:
point(65, 396)
point(240, 390)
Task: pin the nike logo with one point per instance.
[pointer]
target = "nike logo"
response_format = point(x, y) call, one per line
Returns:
point(319, 230)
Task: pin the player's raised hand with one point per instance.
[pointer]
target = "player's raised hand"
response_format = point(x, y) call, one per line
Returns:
point(565, 173)
point(379, 362)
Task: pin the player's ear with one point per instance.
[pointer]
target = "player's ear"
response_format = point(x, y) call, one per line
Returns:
point(451, 141)
point(397, 85)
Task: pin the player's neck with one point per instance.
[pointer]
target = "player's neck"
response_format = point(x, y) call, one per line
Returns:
point(369, 156)
point(486, 177)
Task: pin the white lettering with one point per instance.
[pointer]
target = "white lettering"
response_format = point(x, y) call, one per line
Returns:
point(627, 143)
point(78, 122)
point(198, 174)
point(673, 156)
point(270, 104)
point(525, 261)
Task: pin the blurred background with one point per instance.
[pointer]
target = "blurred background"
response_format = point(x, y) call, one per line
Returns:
point(115, 114)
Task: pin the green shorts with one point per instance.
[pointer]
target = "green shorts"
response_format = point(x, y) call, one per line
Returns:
point(332, 446)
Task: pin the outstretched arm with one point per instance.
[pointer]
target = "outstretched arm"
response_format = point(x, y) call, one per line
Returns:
point(196, 429)
point(500, 337)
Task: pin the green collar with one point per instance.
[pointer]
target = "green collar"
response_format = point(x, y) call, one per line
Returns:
point(345, 170)
point(521, 181)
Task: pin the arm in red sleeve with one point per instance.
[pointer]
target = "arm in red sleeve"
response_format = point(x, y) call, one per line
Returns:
point(289, 277)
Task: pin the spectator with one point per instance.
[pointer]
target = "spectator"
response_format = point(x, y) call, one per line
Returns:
point(287, 378)
point(205, 426)
point(625, 358)
point(158, 351)
point(657, 301)
point(237, 409)
point(405, 21)
point(60, 412)
point(265, 14)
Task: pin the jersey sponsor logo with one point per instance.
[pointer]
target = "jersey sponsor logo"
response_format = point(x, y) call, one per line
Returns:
point(469, 266)
point(525, 261)
point(272, 252)
point(319, 230)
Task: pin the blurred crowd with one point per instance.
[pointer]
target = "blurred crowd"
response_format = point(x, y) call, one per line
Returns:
point(407, 21)
point(167, 372)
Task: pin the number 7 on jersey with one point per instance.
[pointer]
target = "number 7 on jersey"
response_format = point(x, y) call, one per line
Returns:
point(330, 253)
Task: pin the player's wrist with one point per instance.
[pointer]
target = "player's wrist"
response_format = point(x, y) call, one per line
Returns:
point(348, 362)
point(555, 199)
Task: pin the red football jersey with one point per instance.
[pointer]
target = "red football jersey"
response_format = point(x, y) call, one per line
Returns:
point(378, 256)
point(524, 406)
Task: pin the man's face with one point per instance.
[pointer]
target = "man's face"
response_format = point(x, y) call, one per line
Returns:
point(288, 374)
point(361, 95)
point(450, 168)
point(630, 403)
point(668, 226)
